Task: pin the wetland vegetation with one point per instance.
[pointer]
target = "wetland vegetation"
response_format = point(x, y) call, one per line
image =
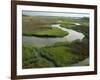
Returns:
point(64, 40)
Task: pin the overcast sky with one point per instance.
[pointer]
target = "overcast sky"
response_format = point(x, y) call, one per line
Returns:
point(64, 14)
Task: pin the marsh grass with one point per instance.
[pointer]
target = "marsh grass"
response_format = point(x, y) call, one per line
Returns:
point(53, 32)
point(60, 54)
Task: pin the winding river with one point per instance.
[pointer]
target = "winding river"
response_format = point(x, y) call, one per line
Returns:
point(41, 42)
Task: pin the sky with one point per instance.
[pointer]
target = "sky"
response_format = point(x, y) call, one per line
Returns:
point(63, 14)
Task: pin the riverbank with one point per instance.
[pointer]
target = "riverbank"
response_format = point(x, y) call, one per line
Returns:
point(44, 50)
point(50, 32)
point(46, 41)
point(58, 55)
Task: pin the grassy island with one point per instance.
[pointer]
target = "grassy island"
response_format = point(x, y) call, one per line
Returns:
point(59, 54)
point(51, 32)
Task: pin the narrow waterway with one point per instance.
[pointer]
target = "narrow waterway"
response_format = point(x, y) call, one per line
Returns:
point(85, 62)
point(41, 42)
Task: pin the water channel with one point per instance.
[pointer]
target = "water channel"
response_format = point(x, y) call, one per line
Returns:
point(41, 42)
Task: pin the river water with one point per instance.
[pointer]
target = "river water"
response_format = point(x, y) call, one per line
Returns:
point(41, 42)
